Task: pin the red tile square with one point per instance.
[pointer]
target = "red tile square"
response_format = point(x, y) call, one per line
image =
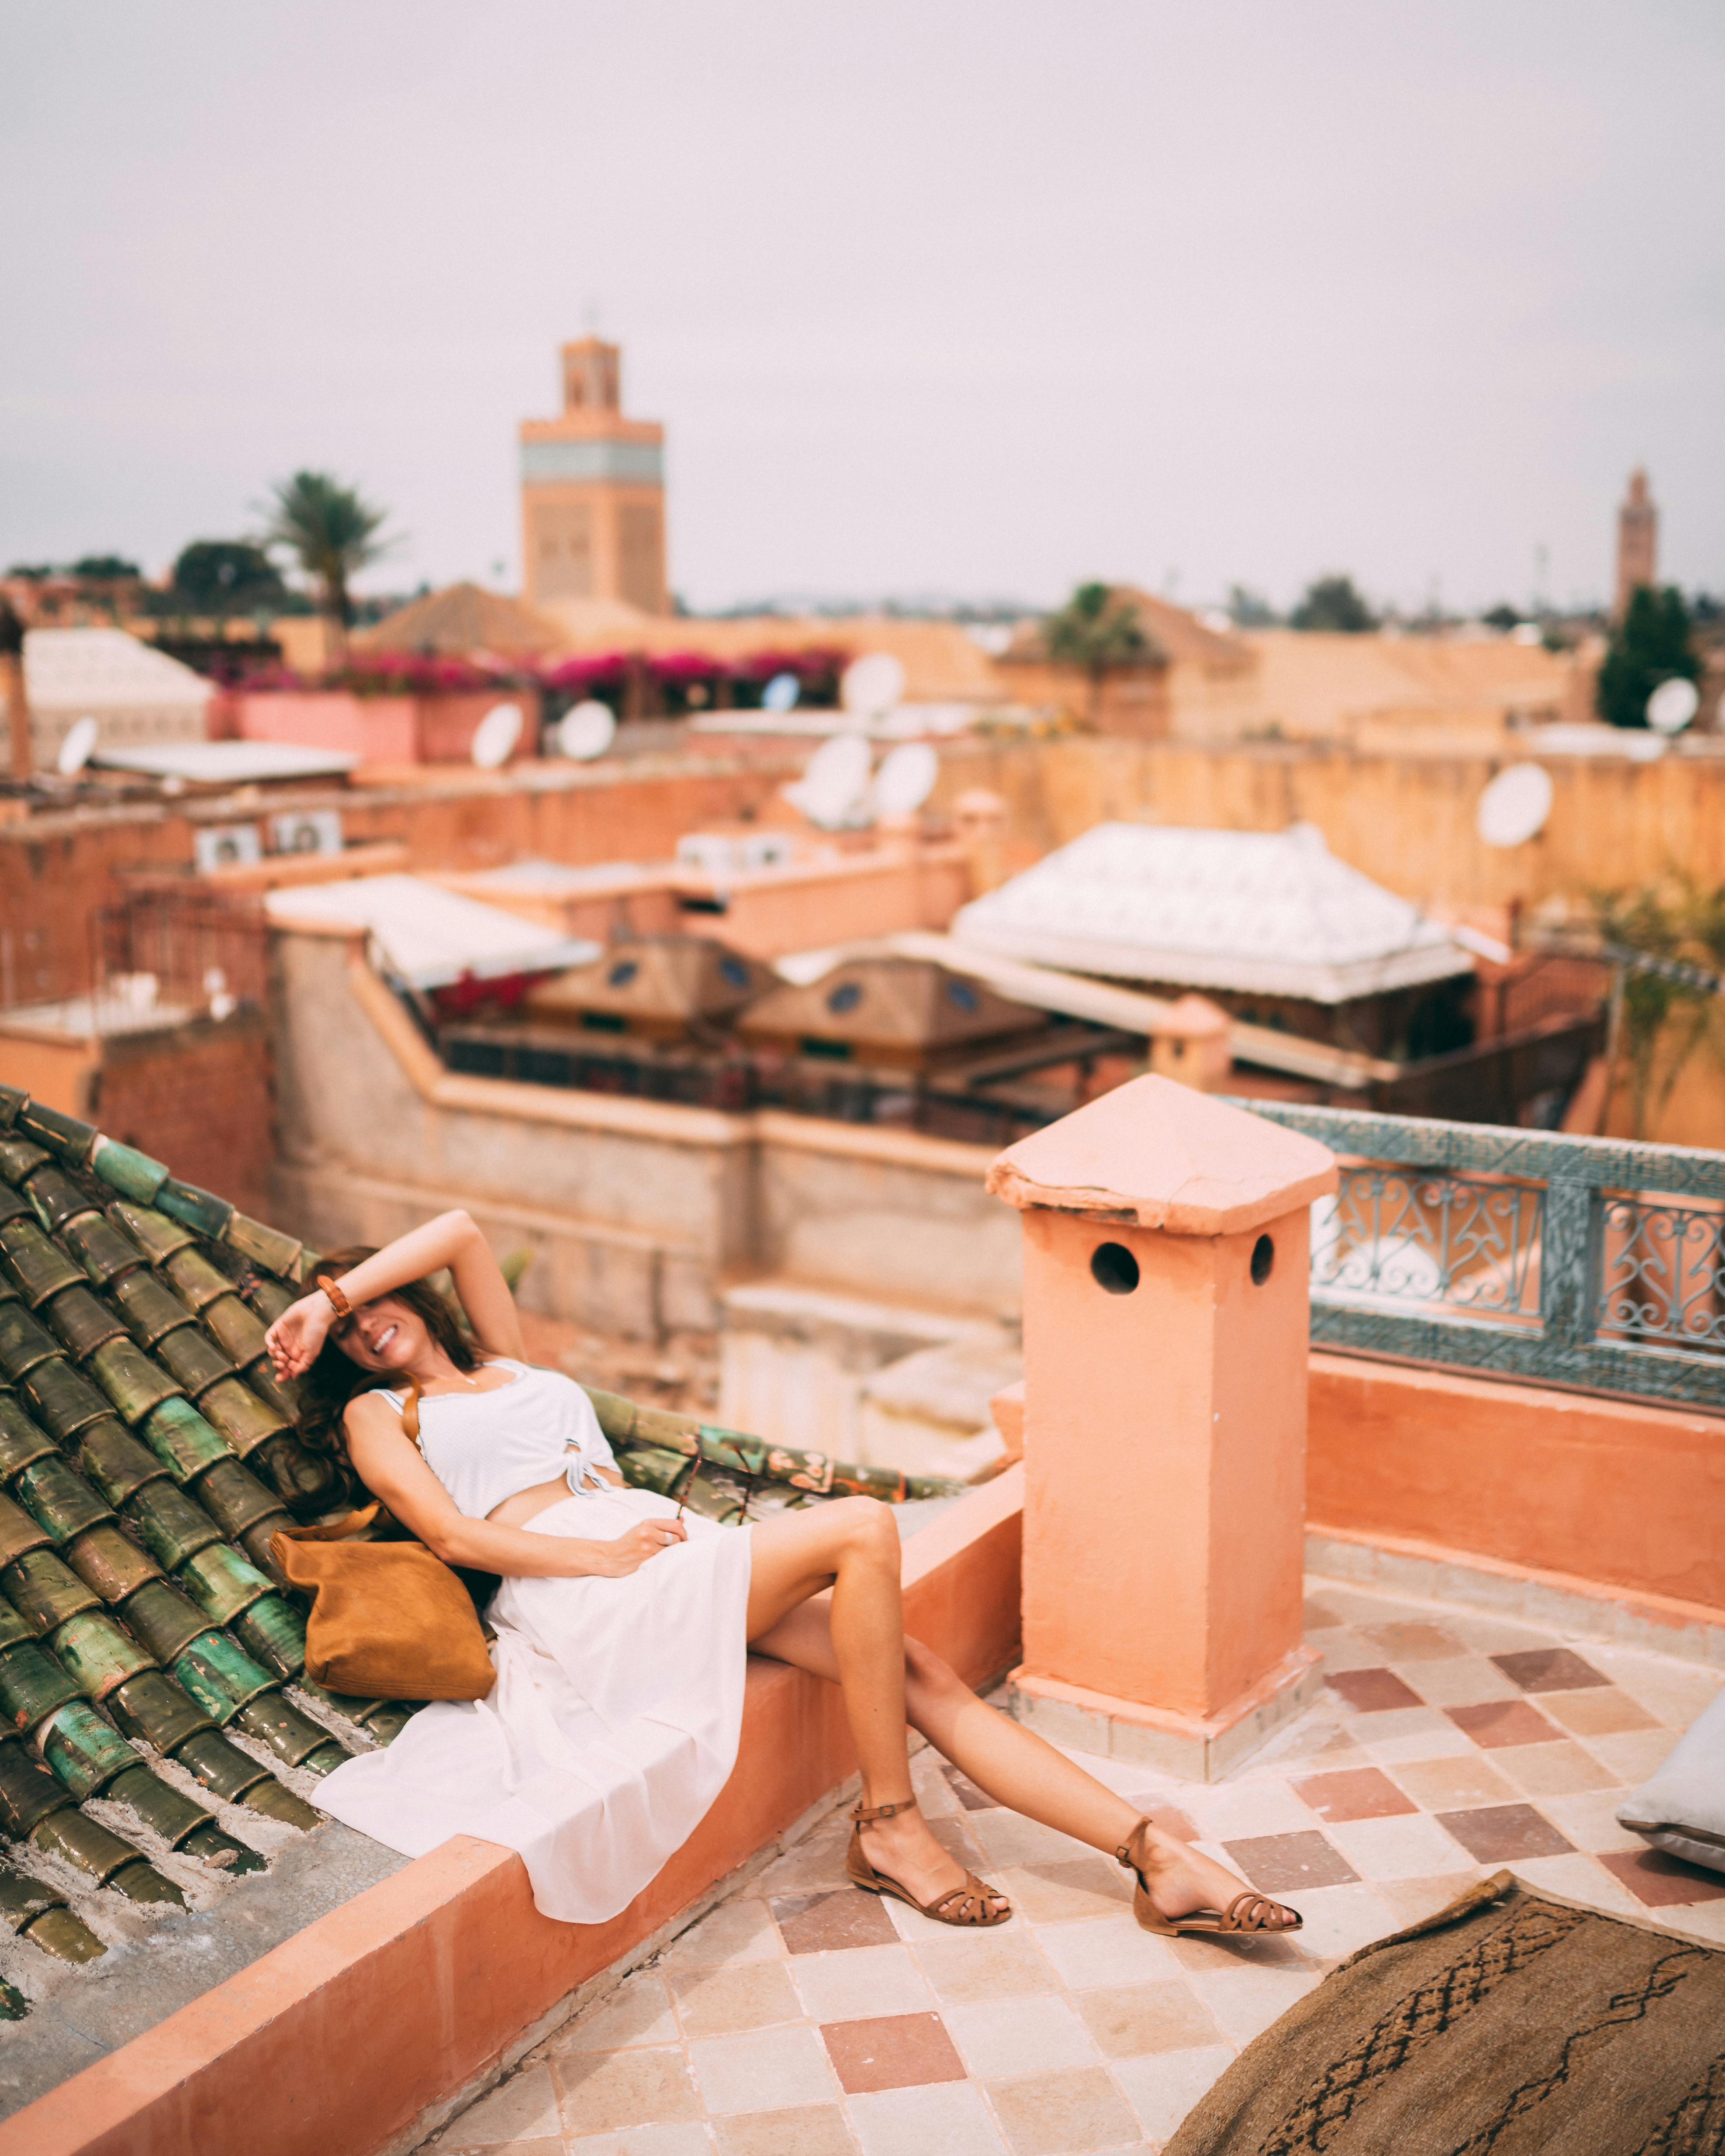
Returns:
point(1495, 1722)
point(822, 1923)
point(1284, 1863)
point(1548, 1668)
point(1372, 1691)
point(1506, 1834)
point(1356, 1793)
point(894, 2051)
point(1663, 1882)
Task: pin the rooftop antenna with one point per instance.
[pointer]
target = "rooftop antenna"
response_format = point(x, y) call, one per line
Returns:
point(494, 736)
point(831, 790)
point(1672, 705)
point(80, 745)
point(1514, 807)
point(586, 731)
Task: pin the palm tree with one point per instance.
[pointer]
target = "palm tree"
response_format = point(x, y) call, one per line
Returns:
point(1098, 630)
point(330, 531)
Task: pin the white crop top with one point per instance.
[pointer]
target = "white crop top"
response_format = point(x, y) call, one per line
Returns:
point(484, 1446)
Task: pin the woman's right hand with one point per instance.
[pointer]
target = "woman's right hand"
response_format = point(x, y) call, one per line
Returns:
point(628, 1552)
point(296, 1335)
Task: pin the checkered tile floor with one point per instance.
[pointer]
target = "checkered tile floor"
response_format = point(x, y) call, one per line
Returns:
point(804, 2018)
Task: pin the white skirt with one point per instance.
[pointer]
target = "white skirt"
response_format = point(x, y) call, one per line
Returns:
point(611, 1728)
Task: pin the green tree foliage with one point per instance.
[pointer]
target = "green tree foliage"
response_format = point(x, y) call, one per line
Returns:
point(1099, 630)
point(1503, 616)
point(1332, 602)
point(224, 577)
point(1651, 644)
point(1660, 1020)
point(329, 531)
point(107, 567)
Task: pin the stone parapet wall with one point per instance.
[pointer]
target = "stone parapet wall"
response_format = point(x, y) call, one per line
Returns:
point(636, 1212)
point(1623, 1496)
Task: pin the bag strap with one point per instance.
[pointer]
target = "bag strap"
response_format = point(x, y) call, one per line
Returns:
point(336, 1531)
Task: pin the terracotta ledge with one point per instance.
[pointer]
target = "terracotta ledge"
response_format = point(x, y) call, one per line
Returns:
point(357, 2036)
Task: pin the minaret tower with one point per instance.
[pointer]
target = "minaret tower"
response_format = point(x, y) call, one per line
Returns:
point(593, 492)
point(1637, 542)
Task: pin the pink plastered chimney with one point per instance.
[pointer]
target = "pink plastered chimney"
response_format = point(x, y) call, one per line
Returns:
point(1166, 1308)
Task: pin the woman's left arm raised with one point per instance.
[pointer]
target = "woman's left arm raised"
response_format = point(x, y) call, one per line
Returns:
point(454, 1240)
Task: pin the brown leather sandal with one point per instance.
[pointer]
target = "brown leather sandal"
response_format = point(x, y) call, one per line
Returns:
point(1249, 1915)
point(968, 1904)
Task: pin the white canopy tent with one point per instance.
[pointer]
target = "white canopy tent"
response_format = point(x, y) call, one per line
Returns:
point(1269, 913)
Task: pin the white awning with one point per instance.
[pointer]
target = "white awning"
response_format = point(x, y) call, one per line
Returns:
point(226, 762)
point(430, 937)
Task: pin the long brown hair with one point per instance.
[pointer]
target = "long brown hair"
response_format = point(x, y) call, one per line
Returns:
point(334, 1378)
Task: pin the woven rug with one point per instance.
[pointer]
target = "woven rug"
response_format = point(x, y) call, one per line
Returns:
point(1510, 2022)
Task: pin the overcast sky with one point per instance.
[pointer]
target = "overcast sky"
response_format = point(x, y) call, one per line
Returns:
point(972, 296)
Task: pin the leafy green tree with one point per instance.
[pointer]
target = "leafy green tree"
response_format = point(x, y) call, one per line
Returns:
point(1099, 630)
point(225, 577)
point(1653, 643)
point(105, 565)
point(1503, 616)
point(331, 533)
point(1661, 1017)
point(1332, 602)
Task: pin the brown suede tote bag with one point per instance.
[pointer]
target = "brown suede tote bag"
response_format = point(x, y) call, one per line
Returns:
point(388, 1620)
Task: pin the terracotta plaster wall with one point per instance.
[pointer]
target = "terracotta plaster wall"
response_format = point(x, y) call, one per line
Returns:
point(56, 868)
point(345, 1095)
point(340, 2040)
point(1626, 1498)
point(881, 1212)
point(1405, 820)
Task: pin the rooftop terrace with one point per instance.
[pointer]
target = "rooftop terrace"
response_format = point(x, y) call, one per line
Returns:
point(1518, 1605)
point(800, 2016)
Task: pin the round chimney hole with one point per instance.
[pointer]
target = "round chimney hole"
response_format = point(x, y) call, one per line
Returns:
point(1263, 1258)
point(1113, 1268)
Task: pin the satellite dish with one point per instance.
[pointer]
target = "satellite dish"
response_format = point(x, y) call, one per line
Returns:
point(1672, 705)
point(1515, 805)
point(587, 731)
point(905, 779)
point(872, 685)
point(832, 789)
point(80, 741)
point(781, 693)
point(494, 736)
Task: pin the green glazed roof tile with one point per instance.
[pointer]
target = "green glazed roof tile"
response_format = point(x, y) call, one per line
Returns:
point(197, 1209)
point(122, 1290)
point(132, 1173)
point(69, 1137)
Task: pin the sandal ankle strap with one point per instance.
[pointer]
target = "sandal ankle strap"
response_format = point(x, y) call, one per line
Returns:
point(1123, 1855)
point(865, 1816)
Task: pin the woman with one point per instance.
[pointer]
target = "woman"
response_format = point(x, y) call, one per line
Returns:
point(622, 1626)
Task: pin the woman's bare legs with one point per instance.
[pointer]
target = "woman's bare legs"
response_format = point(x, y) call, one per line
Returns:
point(852, 1547)
point(856, 1640)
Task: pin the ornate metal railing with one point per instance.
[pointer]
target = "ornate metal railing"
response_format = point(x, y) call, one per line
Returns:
point(1580, 1261)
